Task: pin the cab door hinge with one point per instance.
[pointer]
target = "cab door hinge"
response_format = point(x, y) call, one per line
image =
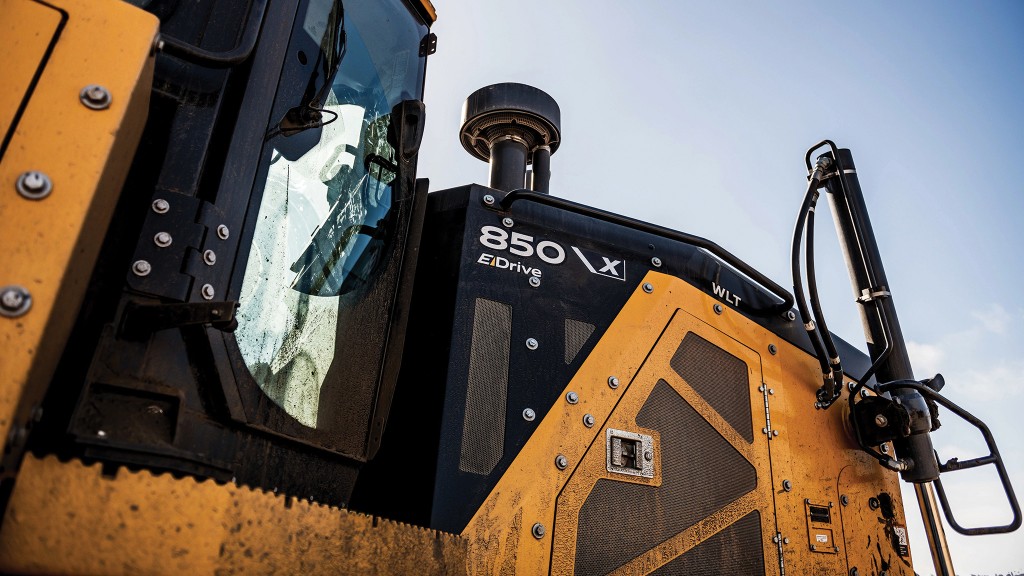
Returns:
point(181, 253)
point(778, 540)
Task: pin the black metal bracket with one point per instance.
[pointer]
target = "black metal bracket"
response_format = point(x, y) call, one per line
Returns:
point(702, 243)
point(140, 320)
point(428, 45)
point(955, 464)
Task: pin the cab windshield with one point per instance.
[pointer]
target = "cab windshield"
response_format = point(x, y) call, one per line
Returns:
point(325, 211)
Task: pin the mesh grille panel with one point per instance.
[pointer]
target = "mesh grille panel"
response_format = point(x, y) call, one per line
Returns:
point(576, 334)
point(719, 377)
point(483, 426)
point(701, 473)
point(735, 550)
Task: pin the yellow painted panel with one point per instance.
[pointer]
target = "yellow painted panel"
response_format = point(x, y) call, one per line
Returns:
point(429, 7)
point(657, 368)
point(50, 245)
point(816, 453)
point(66, 518)
point(26, 30)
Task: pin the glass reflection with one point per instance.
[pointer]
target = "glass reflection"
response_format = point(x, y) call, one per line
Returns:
point(324, 218)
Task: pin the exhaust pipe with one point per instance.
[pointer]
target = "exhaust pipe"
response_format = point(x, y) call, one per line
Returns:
point(511, 126)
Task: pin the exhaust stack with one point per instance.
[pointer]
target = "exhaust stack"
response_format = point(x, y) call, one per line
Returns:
point(511, 126)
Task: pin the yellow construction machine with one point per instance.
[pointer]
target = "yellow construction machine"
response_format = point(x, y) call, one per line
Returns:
point(240, 336)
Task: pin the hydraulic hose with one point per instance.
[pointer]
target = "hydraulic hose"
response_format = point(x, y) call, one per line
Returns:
point(798, 285)
point(831, 392)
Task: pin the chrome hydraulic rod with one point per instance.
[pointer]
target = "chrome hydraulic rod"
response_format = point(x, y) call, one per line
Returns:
point(941, 558)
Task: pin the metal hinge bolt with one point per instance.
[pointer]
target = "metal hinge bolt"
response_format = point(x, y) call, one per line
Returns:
point(95, 97)
point(141, 268)
point(14, 301)
point(33, 185)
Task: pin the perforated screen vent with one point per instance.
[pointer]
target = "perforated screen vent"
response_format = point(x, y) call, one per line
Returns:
point(576, 335)
point(719, 377)
point(483, 426)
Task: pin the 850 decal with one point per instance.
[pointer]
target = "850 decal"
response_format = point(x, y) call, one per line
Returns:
point(521, 244)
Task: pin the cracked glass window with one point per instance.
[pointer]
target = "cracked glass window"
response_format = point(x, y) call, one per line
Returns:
point(324, 218)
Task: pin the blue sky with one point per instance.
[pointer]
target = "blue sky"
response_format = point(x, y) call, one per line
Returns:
point(696, 116)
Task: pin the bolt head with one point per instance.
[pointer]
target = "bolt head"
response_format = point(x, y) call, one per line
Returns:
point(881, 421)
point(210, 257)
point(488, 199)
point(534, 281)
point(33, 185)
point(14, 301)
point(537, 531)
point(648, 455)
point(775, 432)
point(771, 391)
point(208, 292)
point(648, 287)
point(785, 540)
point(572, 397)
point(162, 239)
point(773, 349)
point(656, 262)
point(790, 315)
point(588, 420)
point(561, 462)
point(844, 500)
point(223, 232)
point(141, 268)
point(95, 97)
point(532, 343)
point(529, 414)
point(161, 206)
point(787, 485)
point(718, 309)
point(863, 393)
point(507, 222)
point(613, 382)
point(884, 448)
